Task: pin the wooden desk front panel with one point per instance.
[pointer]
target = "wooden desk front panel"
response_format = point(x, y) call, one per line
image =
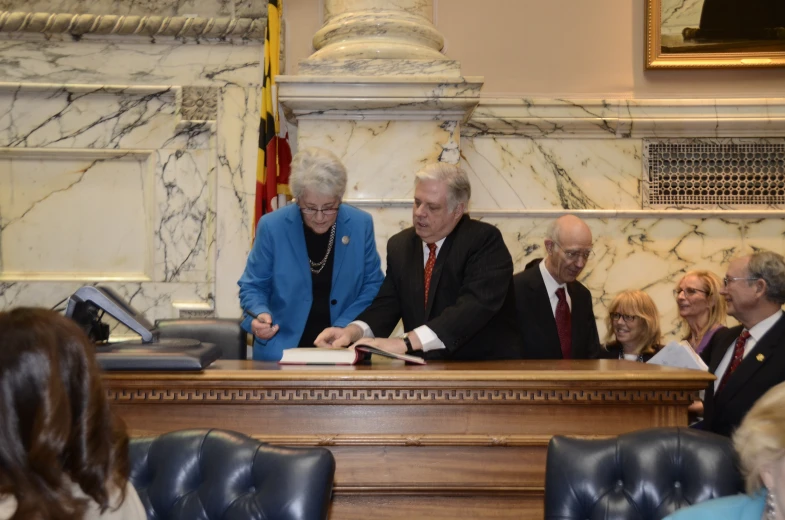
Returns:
point(417, 444)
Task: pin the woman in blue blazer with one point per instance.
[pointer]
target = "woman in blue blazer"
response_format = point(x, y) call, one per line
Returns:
point(313, 265)
point(760, 443)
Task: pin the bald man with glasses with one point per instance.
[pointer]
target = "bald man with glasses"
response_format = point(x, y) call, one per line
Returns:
point(554, 310)
point(750, 358)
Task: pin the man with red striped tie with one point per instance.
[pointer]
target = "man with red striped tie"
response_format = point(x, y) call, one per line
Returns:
point(449, 278)
point(750, 358)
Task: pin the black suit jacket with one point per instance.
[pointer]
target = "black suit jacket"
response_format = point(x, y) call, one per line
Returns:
point(761, 369)
point(471, 305)
point(538, 326)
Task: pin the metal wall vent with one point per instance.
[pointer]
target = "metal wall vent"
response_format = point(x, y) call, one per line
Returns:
point(715, 173)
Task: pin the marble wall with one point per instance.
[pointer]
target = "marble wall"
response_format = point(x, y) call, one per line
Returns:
point(533, 160)
point(129, 161)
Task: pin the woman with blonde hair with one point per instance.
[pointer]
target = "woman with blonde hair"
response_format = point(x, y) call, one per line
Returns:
point(701, 307)
point(633, 325)
point(760, 443)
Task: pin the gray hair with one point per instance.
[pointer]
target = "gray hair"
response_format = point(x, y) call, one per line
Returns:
point(319, 170)
point(769, 267)
point(459, 189)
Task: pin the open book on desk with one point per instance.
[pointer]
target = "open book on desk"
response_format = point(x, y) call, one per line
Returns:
point(340, 356)
point(676, 354)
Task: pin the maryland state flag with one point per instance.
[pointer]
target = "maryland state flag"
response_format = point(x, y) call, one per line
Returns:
point(272, 164)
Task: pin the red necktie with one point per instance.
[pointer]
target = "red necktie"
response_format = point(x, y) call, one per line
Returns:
point(738, 355)
point(429, 269)
point(564, 324)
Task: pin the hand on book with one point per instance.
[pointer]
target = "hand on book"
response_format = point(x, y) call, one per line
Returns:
point(338, 337)
point(394, 345)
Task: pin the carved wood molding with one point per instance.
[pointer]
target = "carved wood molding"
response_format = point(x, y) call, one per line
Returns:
point(408, 396)
point(414, 440)
point(116, 25)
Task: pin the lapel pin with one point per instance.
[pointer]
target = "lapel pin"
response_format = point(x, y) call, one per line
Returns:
point(760, 357)
point(345, 240)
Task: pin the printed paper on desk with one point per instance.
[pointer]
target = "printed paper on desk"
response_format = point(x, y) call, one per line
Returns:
point(676, 354)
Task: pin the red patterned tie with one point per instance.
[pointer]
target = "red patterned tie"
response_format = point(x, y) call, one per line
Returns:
point(564, 324)
point(429, 269)
point(738, 355)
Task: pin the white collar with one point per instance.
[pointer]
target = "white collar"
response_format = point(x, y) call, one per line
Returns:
point(551, 285)
point(763, 326)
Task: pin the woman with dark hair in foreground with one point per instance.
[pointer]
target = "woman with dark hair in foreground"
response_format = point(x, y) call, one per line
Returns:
point(63, 455)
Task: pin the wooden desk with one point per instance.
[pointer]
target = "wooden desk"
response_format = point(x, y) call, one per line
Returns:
point(446, 440)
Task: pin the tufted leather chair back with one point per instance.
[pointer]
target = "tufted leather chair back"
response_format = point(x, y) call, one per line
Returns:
point(643, 475)
point(224, 332)
point(216, 474)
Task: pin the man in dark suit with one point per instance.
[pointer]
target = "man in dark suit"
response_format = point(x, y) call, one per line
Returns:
point(449, 278)
point(555, 312)
point(750, 358)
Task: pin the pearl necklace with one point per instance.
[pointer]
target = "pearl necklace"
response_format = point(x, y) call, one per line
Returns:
point(316, 267)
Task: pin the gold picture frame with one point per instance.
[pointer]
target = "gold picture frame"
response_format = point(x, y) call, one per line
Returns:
point(668, 49)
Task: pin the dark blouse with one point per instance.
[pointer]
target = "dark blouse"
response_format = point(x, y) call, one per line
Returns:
point(615, 351)
point(319, 317)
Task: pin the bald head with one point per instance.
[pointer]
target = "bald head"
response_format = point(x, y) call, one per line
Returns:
point(568, 244)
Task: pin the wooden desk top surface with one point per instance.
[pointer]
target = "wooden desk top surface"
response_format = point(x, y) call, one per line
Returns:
point(511, 371)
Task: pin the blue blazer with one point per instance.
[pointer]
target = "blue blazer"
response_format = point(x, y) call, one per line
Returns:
point(736, 507)
point(277, 278)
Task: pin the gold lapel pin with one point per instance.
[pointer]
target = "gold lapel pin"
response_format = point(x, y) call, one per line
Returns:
point(345, 240)
point(760, 357)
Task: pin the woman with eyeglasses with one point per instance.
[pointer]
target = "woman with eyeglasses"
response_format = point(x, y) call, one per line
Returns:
point(701, 308)
point(313, 264)
point(633, 328)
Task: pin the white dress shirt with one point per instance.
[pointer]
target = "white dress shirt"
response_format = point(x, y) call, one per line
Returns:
point(756, 333)
point(551, 286)
point(427, 337)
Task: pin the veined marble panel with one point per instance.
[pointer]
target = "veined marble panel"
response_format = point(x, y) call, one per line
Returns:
point(753, 117)
point(623, 118)
point(61, 216)
point(60, 60)
point(248, 8)
point(154, 300)
point(237, 146)
point(536, 117)
point(82, 116)
point(647, 253)
point(379, 67)
point(185, 216)
point(508, 172)
point(382, 156)
point(378, 98)
point(678, 14)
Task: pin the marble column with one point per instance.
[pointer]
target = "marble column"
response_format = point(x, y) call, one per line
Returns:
point(379, 93)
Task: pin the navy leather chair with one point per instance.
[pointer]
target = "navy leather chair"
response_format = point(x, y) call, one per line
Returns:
point(224, 332)
point(217, 474)
point(643, 475)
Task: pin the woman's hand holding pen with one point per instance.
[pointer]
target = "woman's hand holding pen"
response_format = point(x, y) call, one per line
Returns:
point(262, 326)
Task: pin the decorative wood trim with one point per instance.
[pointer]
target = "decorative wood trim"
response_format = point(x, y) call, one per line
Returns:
point(421, 440)
point(386, 396)
point(149, 26)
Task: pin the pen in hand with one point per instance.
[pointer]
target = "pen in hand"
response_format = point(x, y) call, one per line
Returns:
point(255, 317)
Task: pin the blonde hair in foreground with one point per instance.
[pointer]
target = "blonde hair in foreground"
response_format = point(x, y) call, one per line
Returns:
point(760, 439)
